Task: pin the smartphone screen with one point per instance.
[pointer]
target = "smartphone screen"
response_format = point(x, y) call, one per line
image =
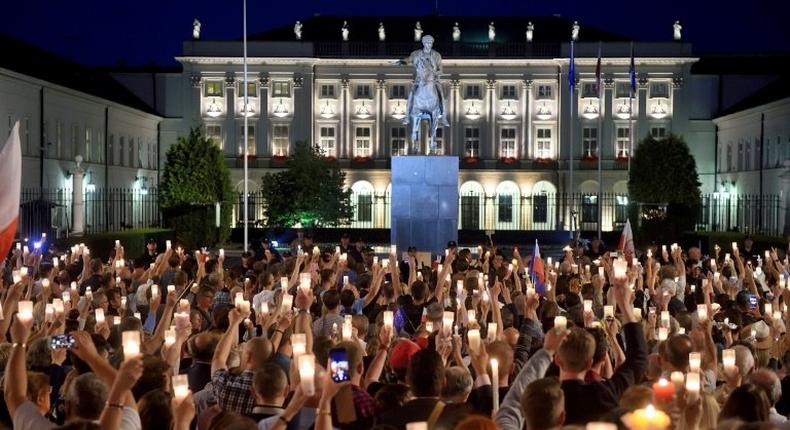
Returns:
point(338, 362)
point(61, 341)
point(753, 301)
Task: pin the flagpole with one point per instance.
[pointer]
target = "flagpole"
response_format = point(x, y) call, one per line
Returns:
point(600, 139)
point(571, 80)
point(246, 131)
point(631, 109)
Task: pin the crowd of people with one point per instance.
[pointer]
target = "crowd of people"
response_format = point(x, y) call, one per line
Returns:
point(328, 336)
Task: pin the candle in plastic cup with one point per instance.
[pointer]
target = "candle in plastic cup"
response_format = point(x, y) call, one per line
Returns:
point(154, 290)
point(45, 283)
point(620, 266)
point(608, 311)
point(471, 315)
point(702, 312)
point(638, 313)
point(57, 305)
point(692, 385)
point(306, 366)
point(25, 310)
point(734, 246)
point(288, 301)
point(168, 244)
point(171, 288)
point(183, 305)
point(447, 322)
point(299, 344)
point(237, 300)
point(170, 336)
point(182, 320)
point(678, 379)
point(116, 320)
point(728, 359)
point(421, 425)
point(560, 323)
point(695, 361)
point(474, 340)
point(492, 329)
point(264, 308)
point(663, 391)
point(777, 316)
point(346, 330)
point(49, 312)
point(131, 344)
point(99, 312)
point(663, 333)
point(429, 326)
point(769, 309)
point(665, 319)
point(495, 382)
point(587, 306)
point(648, 418)
point(180, 386)
point(388, 319)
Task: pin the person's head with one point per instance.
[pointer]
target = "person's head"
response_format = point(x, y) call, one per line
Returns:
point(179, 279)
point(347, 298)
point(38, 390)
point(747, 402)
point(575, 355)
point(361, 323)
point(425, 373)
point(476, 422)
point(744, 360)
point(345, 239)
point(330, 299)
point(419, 291)
point(202, 346)
point(504, 355)
point(391, 396)
point(86, 397)
point(226, 420)
point(769, 382)
point(155, 410)
point(457, 385)
point(543, 404)
point(270, 385)
point(256, 352)
point(205, 297)
point(174, 261)
point(601, 346)
point(355, 354)
point(150, 245)
point(400, 357)
point(674, 353)
point(39, 355)
point(156, 376)
point(748, 241)
point(100, 300)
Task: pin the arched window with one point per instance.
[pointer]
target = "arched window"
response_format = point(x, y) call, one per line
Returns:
point(508, 204)
point(543, 204)
point(362, 193)
point(472, 199)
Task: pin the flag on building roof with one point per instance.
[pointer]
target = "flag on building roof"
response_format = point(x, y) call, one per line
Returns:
point(536, 271)
point(598, 73)
point(11, 166)
point(632, 71)
point(572, 70)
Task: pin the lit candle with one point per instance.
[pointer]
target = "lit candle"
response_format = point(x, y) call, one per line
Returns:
point(183, 305)
point(422, 425)
point(306, 365)
point(492, 329)
point(495, 382)
point(131, 344)
point(663, 248)
point(154, 291)
point(586, 268)
point(620, 266)
point(663, 391)
point(343, 257)
point(57, 305)
point(447, 322)
point(702, 313)
point(575, 268)
point(728, 360)
point(222, 252)
point(171, 289)
point(99, 313)
point(695, 360)
point(287, 303)
point(25, 308)
point(180, 386)
point(299, 344)
point(168, 244)
point(471, 315)
point(316, 250)
point(116, 320)
point(345, 280)
point(678, 379)
point(123, 302)
point(769, 309)
point(238, 300)
point(23, 271)
point(777, 316)
point(734, 247)
point(393, 250)
point(388, 319)
point(713, 265)
point(264, 308)
point(560, 324)
point(117, 243)
point(346, 330)
point(55, 262)
point(646, 419)
point(88, 293)
point(608, 311)
point(638, 313)
point(182, 320)
point(665, 319)
point(600, 272)
point(170, 336)
point(588, 306)
point(429, 326)
point(473, 336)
point(548, 261)
point(49, 312)
point(663, 333)
point(692, 386)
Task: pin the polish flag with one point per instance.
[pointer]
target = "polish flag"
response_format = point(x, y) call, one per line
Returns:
point(11, 166)
point(626, 245)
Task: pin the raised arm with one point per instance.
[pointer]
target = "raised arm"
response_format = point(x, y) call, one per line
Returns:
point(231, 335)
point(15, 389)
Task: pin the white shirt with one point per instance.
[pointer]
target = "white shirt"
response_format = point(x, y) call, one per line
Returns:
point(28, 417)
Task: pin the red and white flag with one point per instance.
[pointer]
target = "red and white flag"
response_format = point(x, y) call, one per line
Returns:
point(11, 166)
point(626, 245)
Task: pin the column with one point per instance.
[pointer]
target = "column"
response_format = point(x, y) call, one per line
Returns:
point(452, 144)
point(343, 138)
point(231, 132)
point(77, 199)
point(640, 128)
point(197, 87)
point(264, 148)
point(606, 136)
point(525, 151)
point(381, 120)
point(679, 109)
point(490, 150)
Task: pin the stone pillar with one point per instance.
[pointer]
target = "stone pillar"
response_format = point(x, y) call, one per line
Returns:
point(489, 149)
point(343, 138)
point(525, 151)
point(262, 131)
point(606, 136)
point(232, 137)
point(451, 142)
point(197, 88)
point(377, 135)
point(640, 126)
point(77, 199)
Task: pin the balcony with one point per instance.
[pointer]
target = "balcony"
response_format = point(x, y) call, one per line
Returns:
point(448, 50)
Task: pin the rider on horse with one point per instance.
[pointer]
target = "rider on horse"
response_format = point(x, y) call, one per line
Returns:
point(427, 71)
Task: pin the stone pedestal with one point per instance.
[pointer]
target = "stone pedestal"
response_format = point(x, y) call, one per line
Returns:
point(424, 202)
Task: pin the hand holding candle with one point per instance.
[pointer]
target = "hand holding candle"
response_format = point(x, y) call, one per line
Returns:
point(306, 366)
point(131, 344)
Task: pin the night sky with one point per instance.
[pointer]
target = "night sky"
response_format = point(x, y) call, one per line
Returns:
point(151, 31)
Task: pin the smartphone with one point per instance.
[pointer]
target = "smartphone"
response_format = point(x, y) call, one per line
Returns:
point(753, 302)
point(338, 363)
point(61, 341)
point(614, 254)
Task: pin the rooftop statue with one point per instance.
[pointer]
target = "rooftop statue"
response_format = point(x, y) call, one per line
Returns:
point(298, 30)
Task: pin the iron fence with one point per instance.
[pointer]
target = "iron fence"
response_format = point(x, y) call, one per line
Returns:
point(733, 212)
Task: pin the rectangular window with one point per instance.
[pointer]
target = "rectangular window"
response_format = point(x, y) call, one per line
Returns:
point(362, 92)
point(540, 208)
point(26, 149)
point(132, 152)
point(440, 141)
point(122, 151)
point(505, 208)
point(398, 140)
point(362, 142)
point(151, 155)
point(280, 140)
point(472, 92)
point(622, 90)
point(472, 142)
point(281, 89)
point(213, 88)
point(729, 157)
point(75, 137)
point(659, 89)
point(250, 140)
point(545, 92)
point(509, 92)
point(658, 132)
point(327, 91)
point(140, 155)
point(214, 133)
point(111, 150)
point(98, 149)
point(543, 143)
point(327, 141)
point(588, 90)
point(622, 142)
point(747, 162)
point(88, 144)
point(507, 142)
point(620, 209)
point(590, 142)
point(398, 92)
point(365, 207)
point(470, 212)
point(58, 139)
point(252, 89)
point(590, 208)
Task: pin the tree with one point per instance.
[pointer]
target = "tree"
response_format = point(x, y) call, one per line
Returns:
point(311, 191)
point(195, 177)
point(665, 172)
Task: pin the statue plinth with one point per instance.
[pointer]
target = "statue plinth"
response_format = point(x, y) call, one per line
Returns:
point(424, 205)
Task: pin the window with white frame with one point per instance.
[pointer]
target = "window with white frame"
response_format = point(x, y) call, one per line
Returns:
point(740, 156)
point(398, 92)
point(757, 154)
point(214, 133)
point(281, 89)
point(398, 140)
point(507, 142)
point(252, 89)
point(75, 137)
point(545, 91)
point(88, 153)
point(590, 142)
point(439, 141)
point(659, 89)
point(152, 154)
point(250, 140)
point(140, 150)
point(362, 92)
point(213, 88)
point(280, 140)
point(327, 91)
point(588, 90)
point(543, 143)
point(327, 141)
point(622, 142)
point(472, 142)
point(472, 92)
point(362, 147)
point(509, 92)
point(98, 149)
point(622, 90)
point(658, 132)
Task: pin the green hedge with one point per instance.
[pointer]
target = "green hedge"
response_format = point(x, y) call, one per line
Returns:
point(724, 239)
point(133, 241)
